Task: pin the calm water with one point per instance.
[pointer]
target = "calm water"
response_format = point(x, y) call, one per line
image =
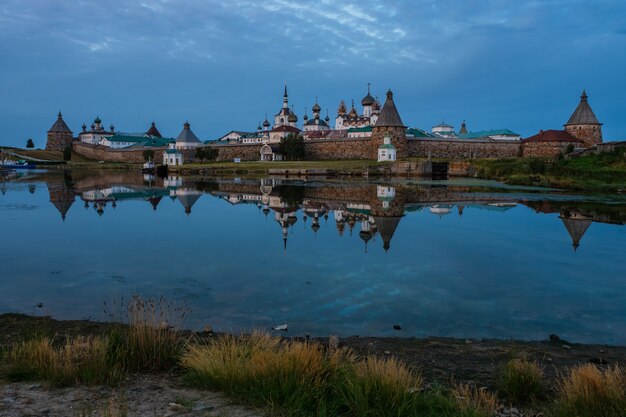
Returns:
point(459, 258)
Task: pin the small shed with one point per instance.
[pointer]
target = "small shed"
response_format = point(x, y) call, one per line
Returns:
point(386, 151)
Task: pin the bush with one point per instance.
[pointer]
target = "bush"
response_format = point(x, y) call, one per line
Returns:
point(292, 147)
point(521, 381)
point(588, 391)
point(537, 166)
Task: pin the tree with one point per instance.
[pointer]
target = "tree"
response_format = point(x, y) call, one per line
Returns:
point(148, 155)
point(67, 153)
point(206, 154)
point(292, 147)
point(30, 144)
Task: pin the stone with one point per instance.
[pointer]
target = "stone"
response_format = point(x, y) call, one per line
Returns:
point(333, 342)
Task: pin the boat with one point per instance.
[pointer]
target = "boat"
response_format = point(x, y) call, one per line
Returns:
point(148, 167)
point(19, 164)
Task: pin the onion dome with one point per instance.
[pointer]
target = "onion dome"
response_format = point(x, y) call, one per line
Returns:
point(112, 128)
point(327, 119)
point(352, 113)
point(97, 120)
point(84, 126)
point(93, 126)
point(316, 107)
point(342, 108)
point(292, 118)
point(376, 105)
point(368, 100)
point(266, 123)
point(315, 227)
point(305, 117)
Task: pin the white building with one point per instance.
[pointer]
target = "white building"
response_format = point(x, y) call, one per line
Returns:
point(285, 116)
point(316, 123)
point(443, 130)
point(187, 139)
point(271, 153)
point(172, 156)
point(351, 119)
point(96, 134)
point(386, 151)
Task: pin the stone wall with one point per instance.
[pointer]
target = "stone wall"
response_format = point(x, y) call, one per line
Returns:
point(590, 134)
point(247, 152)
point(533, 149)
point(460, 149)
point(398, 139)
point(337, 149)
point(58, 141)
point(103, 153)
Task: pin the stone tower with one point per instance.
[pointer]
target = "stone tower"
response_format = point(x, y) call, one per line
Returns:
point(59, 136)
point(583, 123)
point(389, 122)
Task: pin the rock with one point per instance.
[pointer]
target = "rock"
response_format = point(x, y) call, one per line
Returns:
point(566, 347)
point(387, 352)
point(200, 406)
point(397, 327)
point(333, 342)
point(208, 328)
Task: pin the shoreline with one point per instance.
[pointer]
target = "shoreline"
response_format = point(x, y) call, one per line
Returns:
point(439, 359)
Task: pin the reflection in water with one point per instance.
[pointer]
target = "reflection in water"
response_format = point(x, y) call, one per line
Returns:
point(348, 257)
point(377, 209)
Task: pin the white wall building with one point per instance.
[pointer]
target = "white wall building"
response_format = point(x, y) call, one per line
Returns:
point(386, 151)
point(172, 156)
point(186, 139)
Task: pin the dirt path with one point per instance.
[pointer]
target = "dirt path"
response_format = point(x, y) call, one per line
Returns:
point(143, 396)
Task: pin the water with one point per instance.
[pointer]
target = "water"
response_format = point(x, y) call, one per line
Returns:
point(459, 258)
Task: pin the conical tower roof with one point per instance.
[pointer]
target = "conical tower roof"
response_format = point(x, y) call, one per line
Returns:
point(153, 131)
point(60, 126)
point(576, 229)
point(188, 199)
point(583, 115)
point(389, 116)
point(387, 227)
point(187, 136)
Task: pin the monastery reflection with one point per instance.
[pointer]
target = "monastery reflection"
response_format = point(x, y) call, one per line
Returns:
point(373, 211)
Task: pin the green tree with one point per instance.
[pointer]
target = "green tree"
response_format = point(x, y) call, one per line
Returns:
point(67, 153)
point(148, 155)
point(206, 154)
point(30, 144)
point(292, 147)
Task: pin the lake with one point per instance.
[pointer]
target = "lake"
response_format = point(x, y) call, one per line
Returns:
point(459, 258)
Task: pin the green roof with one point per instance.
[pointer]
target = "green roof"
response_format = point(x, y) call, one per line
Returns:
point(172, 151)
point(141, 140)
point(417, 133)
point(386, 146)
point(486, 133)
point(360, 129)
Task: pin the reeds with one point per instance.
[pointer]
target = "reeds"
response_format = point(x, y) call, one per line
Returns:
point(588, 391)
point(521, 381)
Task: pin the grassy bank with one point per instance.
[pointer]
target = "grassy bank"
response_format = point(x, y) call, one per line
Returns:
point(603, 172)
point(299, 377)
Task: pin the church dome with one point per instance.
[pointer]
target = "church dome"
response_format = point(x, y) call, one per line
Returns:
point(292, 118)
point(316, 107)
point(368, 100)
point(97, 120)
point(266, 123)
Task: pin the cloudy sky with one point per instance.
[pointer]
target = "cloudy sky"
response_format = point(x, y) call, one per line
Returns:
point(222, 64)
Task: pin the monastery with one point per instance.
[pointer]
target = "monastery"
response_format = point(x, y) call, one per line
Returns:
point(375, 132)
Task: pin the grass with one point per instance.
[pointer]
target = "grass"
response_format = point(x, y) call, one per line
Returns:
point(303, 379)
point(588, 391)
point(150, 342)
point(603, 172)
point(474, 400)
point(521, 381)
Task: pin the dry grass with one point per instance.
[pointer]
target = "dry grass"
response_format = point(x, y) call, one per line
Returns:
point(590, 391)
point(153, 340)
point(79, 360)
point(521, 381)
point(472, 399)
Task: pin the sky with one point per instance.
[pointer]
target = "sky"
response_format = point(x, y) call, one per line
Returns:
point(222, 65)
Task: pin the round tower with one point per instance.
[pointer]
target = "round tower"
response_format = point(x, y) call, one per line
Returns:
point(583, 123)
point(389, 122)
